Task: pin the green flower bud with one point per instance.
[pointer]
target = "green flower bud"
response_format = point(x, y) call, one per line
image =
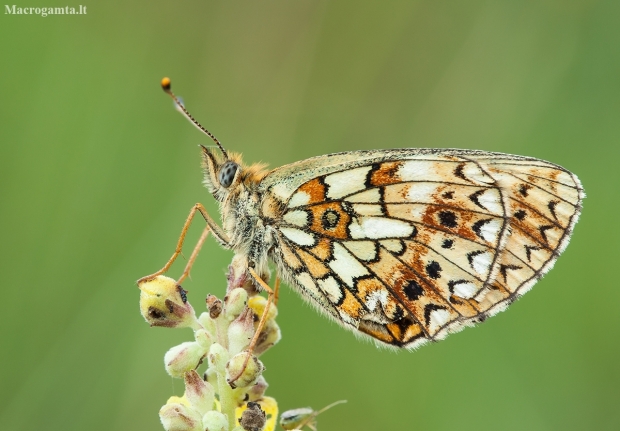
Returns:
point(239, 377)
point(199, 393)
point(164, 303)
point(179, 417)
point(203, 338)
point(215, 421)
point(241, 331)
point(207, 323)
point(236, 301)
point(183, 358)
point(218, 356)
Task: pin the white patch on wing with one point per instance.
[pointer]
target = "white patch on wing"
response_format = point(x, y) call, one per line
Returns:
point(481, 262)
point(368, 210)
point(473, 172)
point(375, 298)
point(438, 318)
point(298, 199)
point(364, 250)
point(492, 201)
point(416, 170)
point(346, 266)
point(298, 236)
point(380, 227)
point(332, 289)
point(367, 196)
point(490, 230)
point(297, 218)
point(465, 290)
point(346, 182)
point(421, 192)
point(393, 245)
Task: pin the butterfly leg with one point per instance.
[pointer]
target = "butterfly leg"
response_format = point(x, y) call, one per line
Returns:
point(263, 318)
point(276, 289)
point(211, 227)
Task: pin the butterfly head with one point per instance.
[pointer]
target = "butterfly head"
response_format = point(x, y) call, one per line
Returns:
point(228, 176)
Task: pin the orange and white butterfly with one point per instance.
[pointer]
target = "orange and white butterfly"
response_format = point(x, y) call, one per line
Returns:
point(404, 245)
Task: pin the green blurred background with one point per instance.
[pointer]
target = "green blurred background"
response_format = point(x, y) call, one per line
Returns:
point(99, 172)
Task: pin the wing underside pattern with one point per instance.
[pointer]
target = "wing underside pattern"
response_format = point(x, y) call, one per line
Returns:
point(408, 250)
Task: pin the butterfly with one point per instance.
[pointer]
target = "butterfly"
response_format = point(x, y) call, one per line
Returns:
point(402, 246)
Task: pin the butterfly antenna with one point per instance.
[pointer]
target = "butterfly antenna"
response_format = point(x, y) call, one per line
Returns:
point(166, 84)
point(329, 406)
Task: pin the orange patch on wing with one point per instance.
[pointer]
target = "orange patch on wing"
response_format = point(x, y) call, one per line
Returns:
point(405, 330)
point(351, 306)
point(377, 331)
point(386, 174)
point(289, 257)
point(315, 189)
point(323, 249)
point(324, 214)
point(315, 266)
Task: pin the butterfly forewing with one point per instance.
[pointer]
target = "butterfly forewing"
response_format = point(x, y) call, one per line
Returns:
point(409, 245)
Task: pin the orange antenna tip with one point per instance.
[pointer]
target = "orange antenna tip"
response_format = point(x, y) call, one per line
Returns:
point(165, 84)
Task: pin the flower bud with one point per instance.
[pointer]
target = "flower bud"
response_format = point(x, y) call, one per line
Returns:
point(239, 376)
point(199, 393)
point(210, 376)
point(258, 304)
point(257, 390)
point(184, 357)
point(215, 421)
point(179, 417)
point(218, 356)
point(253, 418)
point(241, 331)
point(235, 302)
point(214, 305)
point(207, 323)
point(164, 303)
point(269, 336)
point(203, 338)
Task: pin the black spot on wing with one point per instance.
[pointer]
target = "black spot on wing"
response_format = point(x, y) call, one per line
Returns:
point(413, 290)
point(433, 269)
point(447, 243)
point(447, 219)
point(520, 214)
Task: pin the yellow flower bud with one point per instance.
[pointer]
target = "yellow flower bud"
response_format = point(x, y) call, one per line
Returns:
point(164, 303)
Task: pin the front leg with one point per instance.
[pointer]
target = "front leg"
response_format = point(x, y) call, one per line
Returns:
point(212, 227)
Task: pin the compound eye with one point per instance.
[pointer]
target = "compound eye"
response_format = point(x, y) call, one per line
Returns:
point(227, 173)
